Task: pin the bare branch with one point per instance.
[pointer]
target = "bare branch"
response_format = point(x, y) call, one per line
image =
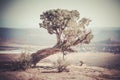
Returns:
point(80, 41)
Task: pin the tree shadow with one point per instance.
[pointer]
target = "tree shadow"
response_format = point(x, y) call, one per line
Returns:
point(47, 69)
point(50, 72)
point(44, 67)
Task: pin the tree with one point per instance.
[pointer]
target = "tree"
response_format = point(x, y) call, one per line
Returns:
point(69, 29)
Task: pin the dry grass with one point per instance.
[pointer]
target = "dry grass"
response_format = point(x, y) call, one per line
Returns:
point(23, 62)
point(61, 65)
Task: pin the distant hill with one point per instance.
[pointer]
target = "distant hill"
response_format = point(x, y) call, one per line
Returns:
point(102, 34)
point(41, 37)
point(26, 36)
point(109, 41)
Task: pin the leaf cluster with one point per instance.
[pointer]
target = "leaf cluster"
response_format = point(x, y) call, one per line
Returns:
point(67, 25)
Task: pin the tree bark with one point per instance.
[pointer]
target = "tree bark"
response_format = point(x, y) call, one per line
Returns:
point(58, 36)
point(41, 54)
point(58, 42)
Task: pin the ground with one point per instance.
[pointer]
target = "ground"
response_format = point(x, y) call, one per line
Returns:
point(45, 69)
point(46, 72)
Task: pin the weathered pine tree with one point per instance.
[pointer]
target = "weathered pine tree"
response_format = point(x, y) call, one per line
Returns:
point(69, 29)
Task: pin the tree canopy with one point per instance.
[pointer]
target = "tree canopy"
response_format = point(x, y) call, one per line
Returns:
point(69, 29)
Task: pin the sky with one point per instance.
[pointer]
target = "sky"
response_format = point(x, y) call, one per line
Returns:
point(26, 13)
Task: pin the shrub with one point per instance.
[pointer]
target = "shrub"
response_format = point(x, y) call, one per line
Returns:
point(23, 62)
point(61, 65)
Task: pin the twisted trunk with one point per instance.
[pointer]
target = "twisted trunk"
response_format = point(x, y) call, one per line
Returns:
point(59, 41)
point(59, 47)
point(41, 54)
point(58, 36)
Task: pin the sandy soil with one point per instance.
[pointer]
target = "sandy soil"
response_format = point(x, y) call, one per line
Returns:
point(90, 70)
point(100, 59)
point(46, 72)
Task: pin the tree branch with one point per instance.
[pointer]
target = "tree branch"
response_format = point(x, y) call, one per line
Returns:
point(80, 41)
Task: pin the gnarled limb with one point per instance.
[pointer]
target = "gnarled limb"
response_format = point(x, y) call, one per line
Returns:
point(41, 54)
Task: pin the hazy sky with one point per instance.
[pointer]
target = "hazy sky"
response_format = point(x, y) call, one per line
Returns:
point(25, 13)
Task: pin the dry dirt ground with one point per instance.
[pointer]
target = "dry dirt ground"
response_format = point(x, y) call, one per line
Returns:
point(45, 69)
point(47, 72)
